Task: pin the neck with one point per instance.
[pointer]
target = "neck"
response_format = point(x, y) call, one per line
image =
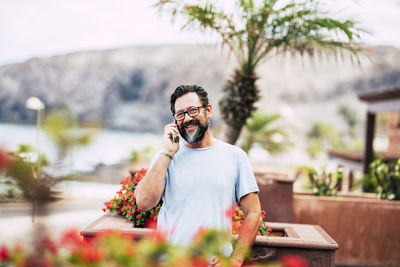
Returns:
point(207, 141)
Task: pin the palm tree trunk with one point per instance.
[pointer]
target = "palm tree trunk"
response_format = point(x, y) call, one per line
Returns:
point(232, 134)
point(237, 103)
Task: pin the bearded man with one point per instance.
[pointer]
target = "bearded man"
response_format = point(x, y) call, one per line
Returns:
point(199, 178)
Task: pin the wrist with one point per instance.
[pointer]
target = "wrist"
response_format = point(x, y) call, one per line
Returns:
point(236, 262)
point(168, 154)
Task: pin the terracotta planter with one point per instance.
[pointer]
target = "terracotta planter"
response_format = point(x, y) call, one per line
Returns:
point(366, 229)
point(309, 241)
point(276, 195)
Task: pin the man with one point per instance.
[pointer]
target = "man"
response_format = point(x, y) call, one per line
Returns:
point(199, 177)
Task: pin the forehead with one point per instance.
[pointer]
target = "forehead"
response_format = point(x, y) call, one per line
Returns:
point(186, 101)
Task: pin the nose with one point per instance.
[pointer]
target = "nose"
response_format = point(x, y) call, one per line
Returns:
point(187, 118)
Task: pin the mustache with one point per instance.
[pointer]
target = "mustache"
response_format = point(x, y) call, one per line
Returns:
point(192, 122)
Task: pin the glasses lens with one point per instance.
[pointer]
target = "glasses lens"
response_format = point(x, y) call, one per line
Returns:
point(179, 116)
point(193, 112)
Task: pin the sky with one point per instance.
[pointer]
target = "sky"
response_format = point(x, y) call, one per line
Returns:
point(49, 27)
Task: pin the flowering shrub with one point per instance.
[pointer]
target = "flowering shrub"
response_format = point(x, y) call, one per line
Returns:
point(238, 219)
point(124, 203)
point(114, 249)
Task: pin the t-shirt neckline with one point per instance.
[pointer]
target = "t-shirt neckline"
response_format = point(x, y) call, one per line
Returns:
point(216, 141)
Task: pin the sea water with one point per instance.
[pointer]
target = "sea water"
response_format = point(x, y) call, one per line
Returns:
point(107, 146)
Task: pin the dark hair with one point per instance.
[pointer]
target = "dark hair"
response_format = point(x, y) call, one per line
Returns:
point(185, 89)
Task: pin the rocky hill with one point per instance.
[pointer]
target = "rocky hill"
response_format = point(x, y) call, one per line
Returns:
point(129, 88)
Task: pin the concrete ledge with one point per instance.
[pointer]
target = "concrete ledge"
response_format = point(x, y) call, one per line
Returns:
point(308, 241)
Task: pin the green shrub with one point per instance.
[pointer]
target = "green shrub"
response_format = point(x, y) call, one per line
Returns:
point(323, 183)
point(385, 178)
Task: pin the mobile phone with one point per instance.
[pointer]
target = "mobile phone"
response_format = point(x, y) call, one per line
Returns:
point(176, 138)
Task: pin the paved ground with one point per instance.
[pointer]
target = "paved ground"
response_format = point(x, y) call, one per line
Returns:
point(82, 204)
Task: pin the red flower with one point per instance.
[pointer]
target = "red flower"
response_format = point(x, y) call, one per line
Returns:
point(47, 244)
point(142, 172)
point(122, 209)
point(104, 209)
point(126, 180)
point(90, 254)
point(129, 212)
point(5, 160)
point(71, 238)
point(230, 211)
point(139, 210)
point(4, 253)
point(130, 250)
point(199, 262)
point(151, 223)
point(293, 261)
point(138, 216)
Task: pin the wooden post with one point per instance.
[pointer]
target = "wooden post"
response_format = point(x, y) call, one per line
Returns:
point(369, 138)
point(351, 180)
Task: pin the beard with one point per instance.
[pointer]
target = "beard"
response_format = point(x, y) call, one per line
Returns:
point(196, 136)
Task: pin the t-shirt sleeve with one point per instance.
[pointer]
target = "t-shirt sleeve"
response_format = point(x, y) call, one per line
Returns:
point(245, 180)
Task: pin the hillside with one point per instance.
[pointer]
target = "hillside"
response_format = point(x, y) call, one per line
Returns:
point(129, 88)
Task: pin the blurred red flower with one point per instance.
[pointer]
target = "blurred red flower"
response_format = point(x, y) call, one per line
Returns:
point(5, 160)
point(71, 238)
point(293, 261)
point(230, 211)
point(4, 253)
point(47, 244)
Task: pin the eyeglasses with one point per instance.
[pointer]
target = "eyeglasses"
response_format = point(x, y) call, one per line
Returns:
point(192, 112)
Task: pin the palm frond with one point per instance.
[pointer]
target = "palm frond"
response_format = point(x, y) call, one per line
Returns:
point(261, 128)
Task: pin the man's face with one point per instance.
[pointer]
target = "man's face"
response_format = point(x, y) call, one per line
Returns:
point(192, 129)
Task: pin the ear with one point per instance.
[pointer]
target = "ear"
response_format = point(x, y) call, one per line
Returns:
point(209, 109)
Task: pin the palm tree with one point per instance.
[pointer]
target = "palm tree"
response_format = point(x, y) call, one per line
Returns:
point(262, 128)
point(257, 29)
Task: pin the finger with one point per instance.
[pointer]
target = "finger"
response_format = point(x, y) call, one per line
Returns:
point(171, 126)
point(171, 132)
point(174, 131)
point(215, 261)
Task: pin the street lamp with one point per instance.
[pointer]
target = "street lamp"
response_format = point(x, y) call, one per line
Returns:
point(34, 103)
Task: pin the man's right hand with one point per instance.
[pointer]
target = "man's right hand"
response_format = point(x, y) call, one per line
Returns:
point(171, 130)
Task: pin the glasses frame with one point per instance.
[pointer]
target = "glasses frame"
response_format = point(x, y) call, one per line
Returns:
point(187, 112)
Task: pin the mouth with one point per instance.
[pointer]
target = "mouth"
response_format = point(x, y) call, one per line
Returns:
point(191, 127)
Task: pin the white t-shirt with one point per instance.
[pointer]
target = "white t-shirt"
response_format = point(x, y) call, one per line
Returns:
point(200, 186)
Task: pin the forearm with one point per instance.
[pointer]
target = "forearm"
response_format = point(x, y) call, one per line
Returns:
point(149, 190)
point(247, 234)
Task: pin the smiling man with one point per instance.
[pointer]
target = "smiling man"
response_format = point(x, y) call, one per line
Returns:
point(199, 178)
